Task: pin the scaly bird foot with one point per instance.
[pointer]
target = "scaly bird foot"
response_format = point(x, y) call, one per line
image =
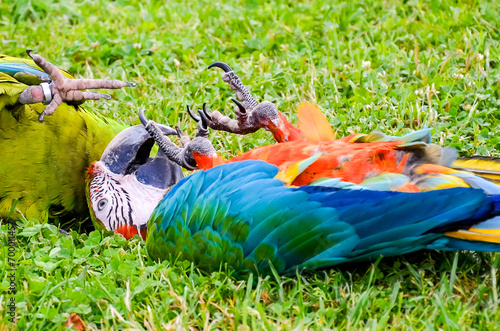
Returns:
point(194, 154)
point(62, 89)
point(250, 115)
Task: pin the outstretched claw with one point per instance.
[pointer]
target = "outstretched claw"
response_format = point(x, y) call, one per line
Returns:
point(62, 88)
point(196, 117)
point(200, 148)
point(250, 115)
point(202, 120)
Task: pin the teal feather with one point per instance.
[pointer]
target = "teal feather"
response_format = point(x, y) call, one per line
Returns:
point(422, 136)
point(239, 215)
point(385, 182)
point(26, 73)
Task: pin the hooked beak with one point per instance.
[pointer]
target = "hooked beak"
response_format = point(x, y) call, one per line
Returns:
point(129, 153)
point(277, 127)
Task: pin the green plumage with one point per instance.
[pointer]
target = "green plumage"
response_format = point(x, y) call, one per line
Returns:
point(44, 164)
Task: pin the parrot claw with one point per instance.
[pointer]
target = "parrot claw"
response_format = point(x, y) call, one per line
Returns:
point(251, 116)
point(195, 117)
point(202, 119)
point(222, 65)
point(184, 139)
point(206, 112)
point(63, 89)
point(182, 156)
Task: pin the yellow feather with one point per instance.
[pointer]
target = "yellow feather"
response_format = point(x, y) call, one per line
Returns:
point(487, 167)
point(288, 175)
point(473, 235)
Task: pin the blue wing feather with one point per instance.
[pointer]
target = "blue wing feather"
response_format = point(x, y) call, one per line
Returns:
point(240, 215)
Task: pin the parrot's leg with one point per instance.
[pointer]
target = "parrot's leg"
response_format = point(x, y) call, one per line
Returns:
point(198, 153)
point(250, 115)
point(62, 89)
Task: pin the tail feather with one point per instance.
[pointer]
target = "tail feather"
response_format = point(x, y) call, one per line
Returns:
point(487, 231)
point(459, 244)
point(484, 166)
point(481, 231)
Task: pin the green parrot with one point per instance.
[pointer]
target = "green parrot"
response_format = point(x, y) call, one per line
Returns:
point(44, 162)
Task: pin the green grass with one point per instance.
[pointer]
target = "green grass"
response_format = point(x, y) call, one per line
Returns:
point(433, 64)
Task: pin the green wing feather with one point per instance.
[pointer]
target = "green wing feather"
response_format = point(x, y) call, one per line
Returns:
point(44, 164)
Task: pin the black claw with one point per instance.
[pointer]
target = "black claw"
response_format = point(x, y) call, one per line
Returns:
point(179, 131)
point(165, 129)
point(221, 65)
point(142, 117)
point(240, 106)
point(130, 84)
point(193, 115)
point(40, 117)
point(28, 51)
point(204, 125)
point(206, 112)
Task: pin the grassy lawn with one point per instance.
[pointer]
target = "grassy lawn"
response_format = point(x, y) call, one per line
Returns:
point(389, 65)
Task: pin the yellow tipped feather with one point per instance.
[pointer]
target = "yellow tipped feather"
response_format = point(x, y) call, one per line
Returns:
point(288, 175)
point(487, 167)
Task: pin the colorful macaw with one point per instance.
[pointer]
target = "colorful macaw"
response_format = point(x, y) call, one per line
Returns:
point(249, 214)
point(42, 173)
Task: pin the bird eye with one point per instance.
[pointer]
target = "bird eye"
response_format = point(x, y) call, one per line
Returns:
point(102, 203)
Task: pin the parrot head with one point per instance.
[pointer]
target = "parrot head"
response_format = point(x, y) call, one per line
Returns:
point(126, 184)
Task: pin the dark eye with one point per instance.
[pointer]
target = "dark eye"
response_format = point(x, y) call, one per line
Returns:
point(102, 203)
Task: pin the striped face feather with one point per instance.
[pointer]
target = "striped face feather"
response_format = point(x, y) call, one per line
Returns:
point(120, 202)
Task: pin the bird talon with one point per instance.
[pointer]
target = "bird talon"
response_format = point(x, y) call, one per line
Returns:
point(203, 122)
point(41, 116)
point(236, 85)
point(179, 131)
point(182, 156)
point(206, 112)
point(241, 108)
point(251, 116)
point(64, 88)
point(193, 115)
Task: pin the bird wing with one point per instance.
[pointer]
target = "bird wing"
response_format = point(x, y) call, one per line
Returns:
point(240, 215)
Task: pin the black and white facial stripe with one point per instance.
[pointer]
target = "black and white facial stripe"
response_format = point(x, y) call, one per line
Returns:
point(110, 202)
point(121, 200)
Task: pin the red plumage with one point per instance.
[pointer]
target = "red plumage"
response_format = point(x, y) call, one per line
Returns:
point(350, 162)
